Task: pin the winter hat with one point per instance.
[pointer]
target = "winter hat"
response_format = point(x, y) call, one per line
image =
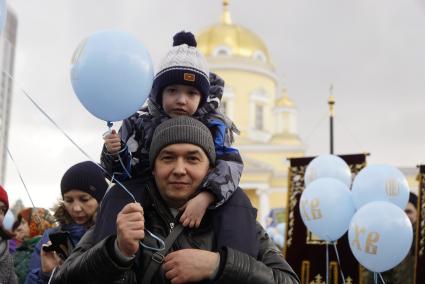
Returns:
point(183, 64)
point(85, 176)
point(182, 129)
point(4, 198)
point(38, 219)
point(413, 198)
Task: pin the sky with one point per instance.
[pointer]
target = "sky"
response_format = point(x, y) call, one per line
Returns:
point(372, 52)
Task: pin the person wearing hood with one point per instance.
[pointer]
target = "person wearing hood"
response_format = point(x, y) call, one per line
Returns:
point(82, 187)
point(30, 225)
point(7, 270)
point(184, 86)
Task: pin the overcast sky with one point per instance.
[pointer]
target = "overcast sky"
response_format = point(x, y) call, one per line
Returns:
point(373, 52)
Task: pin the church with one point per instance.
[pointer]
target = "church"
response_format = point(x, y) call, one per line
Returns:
point(257, 102)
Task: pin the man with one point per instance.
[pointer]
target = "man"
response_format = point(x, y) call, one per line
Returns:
point(181, 154)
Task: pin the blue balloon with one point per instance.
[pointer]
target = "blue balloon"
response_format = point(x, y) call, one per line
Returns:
point(380, 235)
point(326, 208)
point(380, 183)
point(3, 14)
point(328, 166)
point(111, 74)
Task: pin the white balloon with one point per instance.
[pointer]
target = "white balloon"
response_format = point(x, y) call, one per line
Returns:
point(380, 183)
point(380, 235)
point(328, 166)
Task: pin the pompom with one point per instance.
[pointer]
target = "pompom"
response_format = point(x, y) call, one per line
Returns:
point(184, 38)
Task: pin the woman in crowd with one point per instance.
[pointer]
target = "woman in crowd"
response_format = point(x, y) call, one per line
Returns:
point(82, 187)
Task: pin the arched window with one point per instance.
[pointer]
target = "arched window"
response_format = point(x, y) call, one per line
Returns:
point(259, 117)
point(259, 56)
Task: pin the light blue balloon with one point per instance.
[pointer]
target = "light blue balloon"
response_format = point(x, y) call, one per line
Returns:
point(328, 166)
point(3, 14)
point(8, 220)
point(380, 235)
point(326, 208)
point(380, 183)
point(111, 74)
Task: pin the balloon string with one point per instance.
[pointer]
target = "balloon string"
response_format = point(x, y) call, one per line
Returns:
point(48, 117)
point(82, 151)
point(327, 262)
point(339, 262)
point(54, 123)
point(20, 176)
point(161, 242)
point(382, 279)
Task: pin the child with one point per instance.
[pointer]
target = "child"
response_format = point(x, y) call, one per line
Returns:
point(184, 86)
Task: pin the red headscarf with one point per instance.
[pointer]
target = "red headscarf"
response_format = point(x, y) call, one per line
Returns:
point(38, 219)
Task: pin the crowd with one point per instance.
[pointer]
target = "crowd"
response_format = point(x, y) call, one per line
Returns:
point(173, 211)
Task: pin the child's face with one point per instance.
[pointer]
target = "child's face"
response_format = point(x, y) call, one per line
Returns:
point(23, 231)
point(180, 100)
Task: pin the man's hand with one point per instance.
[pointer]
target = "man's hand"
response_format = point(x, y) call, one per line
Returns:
point(112, 142)
point(190, 265)
point(49, 260)
point(130, 228)
point(194, 209)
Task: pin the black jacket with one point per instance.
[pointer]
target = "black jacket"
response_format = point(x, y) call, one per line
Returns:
point(94, 259)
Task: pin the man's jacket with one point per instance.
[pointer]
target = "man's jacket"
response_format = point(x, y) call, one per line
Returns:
point(94, 259)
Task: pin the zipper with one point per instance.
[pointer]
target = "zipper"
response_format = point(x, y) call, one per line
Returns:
point(161, 212)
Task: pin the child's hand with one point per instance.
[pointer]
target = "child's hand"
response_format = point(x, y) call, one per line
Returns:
point(112, 142)
point(194, 209)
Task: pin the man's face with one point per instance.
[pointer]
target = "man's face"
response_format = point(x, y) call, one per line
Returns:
point(179, 170)
point(411, 212)
point(180, 100)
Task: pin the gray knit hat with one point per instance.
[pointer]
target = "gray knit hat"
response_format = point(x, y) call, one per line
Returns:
point(181, 129)
point(183, 64)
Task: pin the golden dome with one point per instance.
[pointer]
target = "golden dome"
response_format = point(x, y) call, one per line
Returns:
point(226, 38)
point(284, 100)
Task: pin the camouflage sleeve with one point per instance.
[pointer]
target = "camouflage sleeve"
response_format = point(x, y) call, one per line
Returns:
point(224, 179)
point(120, 165)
